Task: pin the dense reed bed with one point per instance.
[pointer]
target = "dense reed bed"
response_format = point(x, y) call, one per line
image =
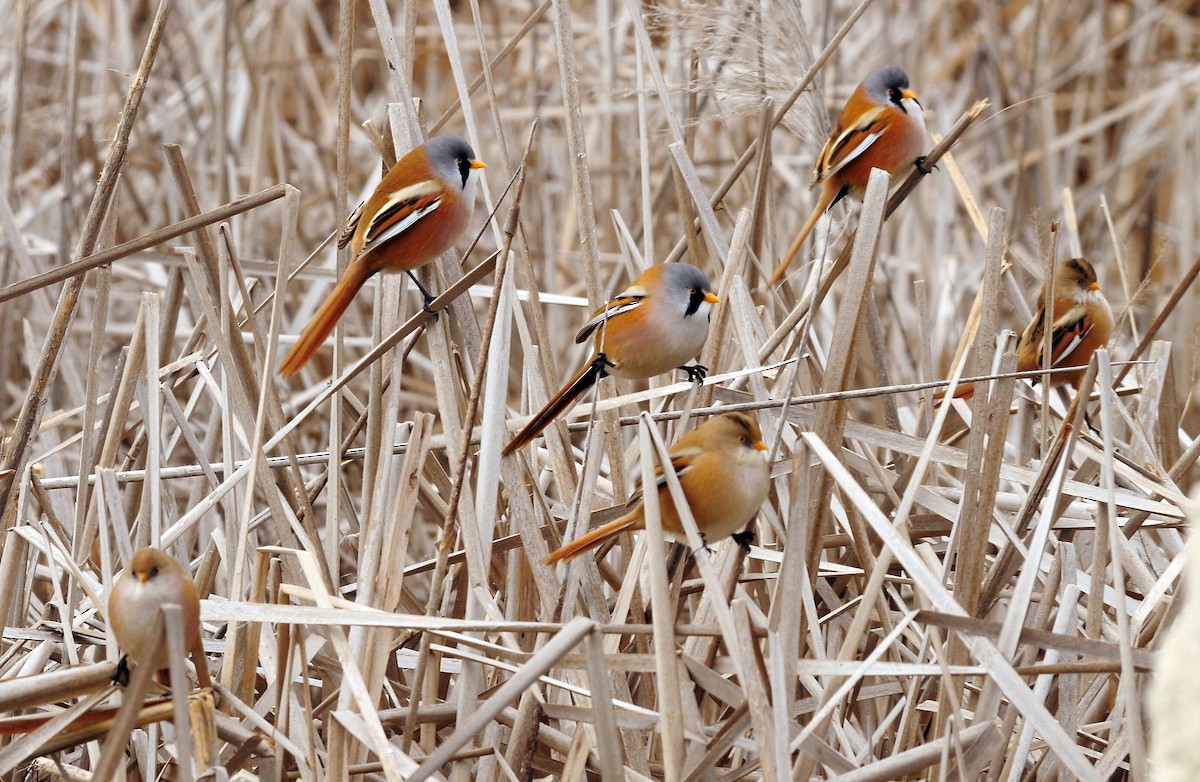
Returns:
point(975, 590)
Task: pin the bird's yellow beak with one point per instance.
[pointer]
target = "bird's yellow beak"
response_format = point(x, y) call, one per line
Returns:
point(711, 298)
point(1095, 286)
point(909, 94)
point(478, 164)
point(142, 576)
point(760, 446)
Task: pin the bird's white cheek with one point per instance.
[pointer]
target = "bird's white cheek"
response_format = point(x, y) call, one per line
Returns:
point(753, 457)
point(915, 111)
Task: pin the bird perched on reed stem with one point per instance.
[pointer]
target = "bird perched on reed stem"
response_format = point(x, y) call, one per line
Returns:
point(1082, 322)
point(882, 126)
point(416, 213)
point(723, 471)
point(152, 579)
point(655, 325)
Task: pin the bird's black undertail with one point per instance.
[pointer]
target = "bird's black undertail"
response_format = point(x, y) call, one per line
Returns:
point(587, 377)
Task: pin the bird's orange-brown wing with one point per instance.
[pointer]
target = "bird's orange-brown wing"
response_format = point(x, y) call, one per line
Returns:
point(681, 461)
point(399, 211)
point(624, 303)
point(1073, 329)
point(848, 143)
point(1069, 338)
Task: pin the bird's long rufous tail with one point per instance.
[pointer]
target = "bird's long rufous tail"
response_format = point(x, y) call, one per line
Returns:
point(585, 379)
point(630, 521)
point(322, 324)
point(823, 203)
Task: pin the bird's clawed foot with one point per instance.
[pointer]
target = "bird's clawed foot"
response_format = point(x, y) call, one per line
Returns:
point(695, 373)
point(743, 539)
point(924, 169)
point(704, 547)
point(121, 675)
point(425, 295)
point(425, 306)
point(601, 364)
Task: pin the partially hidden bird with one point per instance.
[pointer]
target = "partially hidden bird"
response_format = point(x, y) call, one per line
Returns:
point(1082, 324)
point(655, 325)
point(415, 214)
point(723, 471)
point(151, 579)
point(882, 126)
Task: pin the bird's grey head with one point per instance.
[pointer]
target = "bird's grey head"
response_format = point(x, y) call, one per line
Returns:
point(451, 158)
point(889, 84)
point(686, 278)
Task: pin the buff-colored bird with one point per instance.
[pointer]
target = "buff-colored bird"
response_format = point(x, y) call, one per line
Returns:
point(152, 579)
point(1082, 324)
point(723, 471)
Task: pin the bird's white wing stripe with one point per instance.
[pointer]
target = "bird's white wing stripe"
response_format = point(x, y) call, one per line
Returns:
point(613, 311)
point(420, 189)
point(852, 154)
point(597, 321)
point(401, 226)
point(1070, 348)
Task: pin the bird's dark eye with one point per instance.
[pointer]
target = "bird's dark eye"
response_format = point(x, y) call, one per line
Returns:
point(153, 572)
point(464, 169)
point(897, 97)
